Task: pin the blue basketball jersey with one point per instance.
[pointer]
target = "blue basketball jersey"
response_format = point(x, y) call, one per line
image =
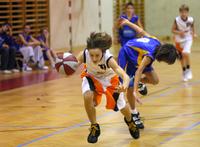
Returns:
point(126, 33)
point(131, 55)
point(136, 49)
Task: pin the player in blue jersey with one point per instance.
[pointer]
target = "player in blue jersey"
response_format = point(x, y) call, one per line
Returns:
point(126, 32)
point(137, 56)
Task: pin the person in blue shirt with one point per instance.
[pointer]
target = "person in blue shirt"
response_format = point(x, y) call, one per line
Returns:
point(7, 50)
point(31, 50)
point(137, 57)
point(126, 32)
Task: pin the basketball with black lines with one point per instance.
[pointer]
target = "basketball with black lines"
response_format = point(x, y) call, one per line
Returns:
point(66, 63)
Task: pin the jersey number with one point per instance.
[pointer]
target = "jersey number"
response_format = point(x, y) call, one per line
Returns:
point(102, 66)
point(145, 40)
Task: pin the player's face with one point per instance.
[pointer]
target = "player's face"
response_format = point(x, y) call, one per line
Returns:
point(184, 14)
point(129, 9)
point(96, 55)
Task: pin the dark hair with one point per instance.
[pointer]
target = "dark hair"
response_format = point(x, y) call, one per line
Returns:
point(42, 29)
point(183, 7)
point(99, 40)
point(166, 53)
point(129, 4)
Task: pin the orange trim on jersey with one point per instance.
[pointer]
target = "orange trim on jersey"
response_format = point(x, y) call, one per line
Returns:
point(111, 103)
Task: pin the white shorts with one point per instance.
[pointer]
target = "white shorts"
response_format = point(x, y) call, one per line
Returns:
point(185, 46)
point(115, 100)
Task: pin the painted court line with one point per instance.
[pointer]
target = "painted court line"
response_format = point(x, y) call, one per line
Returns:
point(189, 128)
point(61, 131)
point(106, 114)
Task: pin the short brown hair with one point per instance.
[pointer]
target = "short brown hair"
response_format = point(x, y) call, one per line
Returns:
point(129, 4)
point(99, 40)
point(183, 7)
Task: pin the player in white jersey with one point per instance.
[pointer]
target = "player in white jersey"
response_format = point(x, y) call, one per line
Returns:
point(100, 77)
point(183, 30)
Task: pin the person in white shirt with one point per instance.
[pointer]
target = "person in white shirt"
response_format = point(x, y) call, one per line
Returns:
point(184, 32)
point(101, 76)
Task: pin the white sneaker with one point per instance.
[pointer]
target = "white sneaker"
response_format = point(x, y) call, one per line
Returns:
point(189, 74)
point(15, 70)
point(27, 68)
point(45, 68)
point(184, 76)
point(7, 71)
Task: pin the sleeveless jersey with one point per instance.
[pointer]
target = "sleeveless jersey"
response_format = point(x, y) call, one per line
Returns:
point(101, 69)
point(136, 49)
point(185, 26)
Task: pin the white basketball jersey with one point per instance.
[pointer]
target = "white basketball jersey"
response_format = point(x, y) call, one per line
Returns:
point(100, 69)
point(185, 26)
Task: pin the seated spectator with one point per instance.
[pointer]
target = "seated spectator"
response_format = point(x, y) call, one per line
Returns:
point(31, 50)
point(7, 51)
point(44, 40)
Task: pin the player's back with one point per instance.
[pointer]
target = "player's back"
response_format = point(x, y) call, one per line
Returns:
point(136, 49)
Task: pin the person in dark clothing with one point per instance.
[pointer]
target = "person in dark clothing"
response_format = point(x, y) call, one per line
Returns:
point(7, 50)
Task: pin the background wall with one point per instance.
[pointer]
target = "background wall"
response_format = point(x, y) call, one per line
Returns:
point(160, 15)
point(84, 20)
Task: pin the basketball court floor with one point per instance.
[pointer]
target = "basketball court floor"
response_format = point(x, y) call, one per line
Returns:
point(44, 109)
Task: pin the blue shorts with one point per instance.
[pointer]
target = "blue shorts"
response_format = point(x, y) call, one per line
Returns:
point(124, 61)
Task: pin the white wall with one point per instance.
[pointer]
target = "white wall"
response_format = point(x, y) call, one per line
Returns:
point(160, 15)
point(58, 24)
point(84, 21)
point(107, 16)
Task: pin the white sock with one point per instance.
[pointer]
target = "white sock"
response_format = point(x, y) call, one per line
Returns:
point(134, 111)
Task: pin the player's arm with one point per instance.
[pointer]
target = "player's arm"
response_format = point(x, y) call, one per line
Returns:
point(120, 72)
point(145, 61)
point(138, 29)
point(193, 31)
point(80, 58)
point(139, 23)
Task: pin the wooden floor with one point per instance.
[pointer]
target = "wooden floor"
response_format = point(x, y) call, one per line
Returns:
point(51, 113)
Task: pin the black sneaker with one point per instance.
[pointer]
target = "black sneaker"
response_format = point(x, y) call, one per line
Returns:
point(94, 133)
point(137, 121)
point(134, 131)
point(142, 88)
